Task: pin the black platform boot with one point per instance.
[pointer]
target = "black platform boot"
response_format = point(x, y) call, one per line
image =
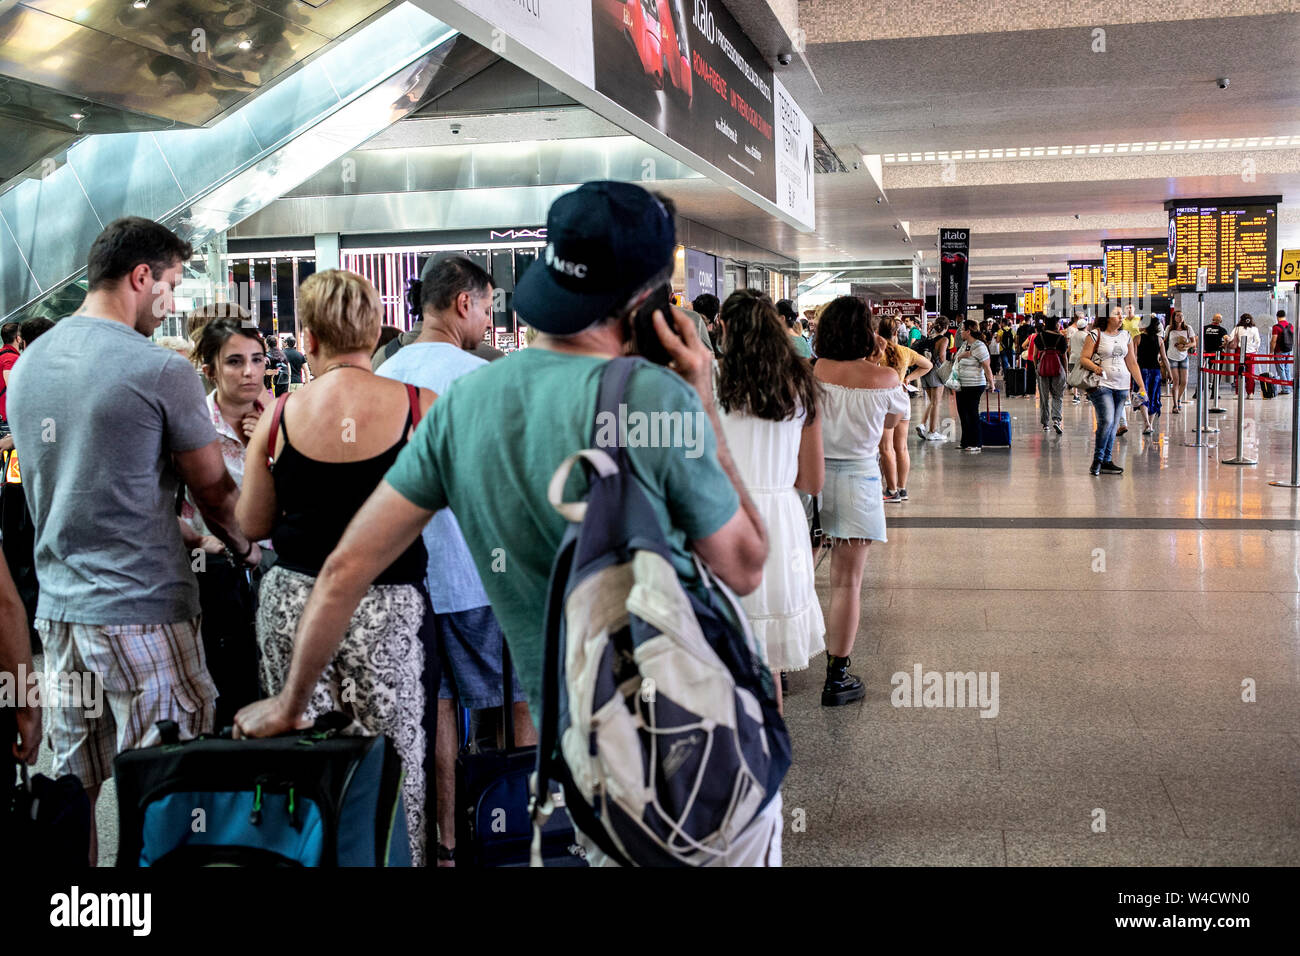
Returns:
point(1095, 469)
point(841, 687)
point(1110, 468)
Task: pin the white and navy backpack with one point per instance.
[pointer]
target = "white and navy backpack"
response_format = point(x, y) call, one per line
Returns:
point(659, 717)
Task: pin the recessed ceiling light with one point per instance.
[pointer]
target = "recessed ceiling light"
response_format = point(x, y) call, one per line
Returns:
point(245, 44)
point(140, 4)
point(77, 116)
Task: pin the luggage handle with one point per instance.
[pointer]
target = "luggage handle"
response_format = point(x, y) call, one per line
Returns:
point(331, 724)
point(986, 399)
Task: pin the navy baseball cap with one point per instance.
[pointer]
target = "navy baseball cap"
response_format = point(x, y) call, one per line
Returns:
point(605, 240)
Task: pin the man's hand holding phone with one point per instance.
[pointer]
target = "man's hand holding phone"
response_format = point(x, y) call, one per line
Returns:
point(689, 357)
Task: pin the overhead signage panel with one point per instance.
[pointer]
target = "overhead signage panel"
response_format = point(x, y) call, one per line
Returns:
point(683, 76)
point(1223, 236)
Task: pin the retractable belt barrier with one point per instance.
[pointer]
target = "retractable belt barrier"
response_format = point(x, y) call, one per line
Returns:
point(1215, 365)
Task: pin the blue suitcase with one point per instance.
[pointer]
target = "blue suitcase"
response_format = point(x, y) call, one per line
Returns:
point(995, 427)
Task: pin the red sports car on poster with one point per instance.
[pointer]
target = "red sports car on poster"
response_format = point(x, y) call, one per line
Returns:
point(656, 30)
point(676, 51)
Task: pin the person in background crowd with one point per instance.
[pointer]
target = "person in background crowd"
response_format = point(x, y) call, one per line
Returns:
point(995, 348)
point(181, 346)
point(1179, 342)
point(1130, 322)
point(707, 305)
point(386, 335)
point(117, 593)
point(785, 309)
point(1282, 344)
point(20, 726)
point(297, 364)
point(455, 296)
point(627, 237)
point(17, 534)
point(232, 357)
point(914, 335)
point(1048, 349)
point(935, 348)
point(1245, 332)
point(1215, 335)
point(12, 338)
point(974, 375)
point(1076, 335)
point(303, 490)
point(1152, 361)
point(1110, 352)
point(859, 400)
point(768, 403)
point(895, 462)
point(277, 367)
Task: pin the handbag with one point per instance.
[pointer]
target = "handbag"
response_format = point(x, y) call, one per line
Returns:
point(1084, 378)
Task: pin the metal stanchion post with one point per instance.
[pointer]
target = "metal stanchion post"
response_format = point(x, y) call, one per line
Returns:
point(1202, 383)
point(1240, 458)
point(1295, 414)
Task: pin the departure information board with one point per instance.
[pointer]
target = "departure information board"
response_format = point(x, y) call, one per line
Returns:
point(1136, 269)
point(1040, 296)
point(1086, 286)
point(1220, 235)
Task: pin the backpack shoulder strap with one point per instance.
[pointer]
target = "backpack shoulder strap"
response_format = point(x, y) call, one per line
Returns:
point(613, 384)
point(276, 415)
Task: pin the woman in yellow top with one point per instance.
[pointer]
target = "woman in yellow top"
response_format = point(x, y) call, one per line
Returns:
point(895, 462)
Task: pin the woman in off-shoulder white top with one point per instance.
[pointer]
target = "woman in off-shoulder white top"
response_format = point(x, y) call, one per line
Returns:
point(859, 400)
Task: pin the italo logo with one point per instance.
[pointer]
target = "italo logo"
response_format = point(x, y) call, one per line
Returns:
point(954, 234)
point(576, 269)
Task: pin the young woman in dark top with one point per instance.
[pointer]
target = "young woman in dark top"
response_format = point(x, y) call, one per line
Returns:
point(311, 463)
point(1152, 361)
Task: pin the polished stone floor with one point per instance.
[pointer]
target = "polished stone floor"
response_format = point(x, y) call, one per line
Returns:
point(1123, 615)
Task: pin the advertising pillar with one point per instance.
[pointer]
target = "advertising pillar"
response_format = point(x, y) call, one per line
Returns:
point(954, 260)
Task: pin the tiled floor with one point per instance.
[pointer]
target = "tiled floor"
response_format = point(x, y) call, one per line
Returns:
point(1120, 690)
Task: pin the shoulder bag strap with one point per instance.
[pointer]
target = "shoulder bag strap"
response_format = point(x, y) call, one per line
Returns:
point(276, 415)
point(413, 396)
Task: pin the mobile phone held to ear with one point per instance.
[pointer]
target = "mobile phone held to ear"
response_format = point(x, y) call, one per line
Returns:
point(645, 337)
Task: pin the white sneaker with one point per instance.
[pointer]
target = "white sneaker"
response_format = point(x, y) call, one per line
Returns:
point(936, 436)
point(920, 430)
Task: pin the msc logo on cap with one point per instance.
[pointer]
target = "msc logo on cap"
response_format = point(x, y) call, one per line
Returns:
point(575, 269)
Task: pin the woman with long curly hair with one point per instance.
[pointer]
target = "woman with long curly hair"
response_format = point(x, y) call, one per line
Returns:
point(768, 399)
point(859, 400)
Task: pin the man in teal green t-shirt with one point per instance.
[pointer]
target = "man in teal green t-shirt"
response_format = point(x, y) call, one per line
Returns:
point(490, 444)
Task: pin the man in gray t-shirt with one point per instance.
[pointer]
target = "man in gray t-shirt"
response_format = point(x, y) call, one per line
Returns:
point(105, 424)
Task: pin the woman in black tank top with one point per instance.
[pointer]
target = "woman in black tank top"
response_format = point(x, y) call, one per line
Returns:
point(305, 501)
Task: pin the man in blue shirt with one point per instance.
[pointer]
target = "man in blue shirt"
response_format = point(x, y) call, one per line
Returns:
point(455, 296)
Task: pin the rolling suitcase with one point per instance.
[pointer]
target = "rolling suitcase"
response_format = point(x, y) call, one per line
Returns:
point(995, 427)
point(313, 798)
point(493, 824)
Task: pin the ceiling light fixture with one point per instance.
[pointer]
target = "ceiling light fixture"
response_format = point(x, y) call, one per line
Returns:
point(140, 4)
point(245, 44)
point(77, 116)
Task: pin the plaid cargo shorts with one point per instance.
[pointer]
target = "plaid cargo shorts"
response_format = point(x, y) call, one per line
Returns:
point(142, 673)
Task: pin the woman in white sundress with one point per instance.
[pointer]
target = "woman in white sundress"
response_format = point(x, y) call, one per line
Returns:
point(768, 399)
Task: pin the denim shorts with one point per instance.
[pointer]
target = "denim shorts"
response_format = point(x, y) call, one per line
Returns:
point(469, 643)
point(852, 501)
point(1178, 363)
